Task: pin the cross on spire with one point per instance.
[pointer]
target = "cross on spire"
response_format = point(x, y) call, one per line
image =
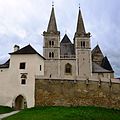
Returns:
point(52, 26)
point(79, 6)
point(80, 30)
point(52, 3)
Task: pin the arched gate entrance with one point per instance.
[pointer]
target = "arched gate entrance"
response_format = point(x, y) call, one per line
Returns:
point(20, 103)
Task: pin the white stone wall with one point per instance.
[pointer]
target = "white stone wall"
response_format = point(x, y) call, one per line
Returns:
point(10, 79)
point(5, 86)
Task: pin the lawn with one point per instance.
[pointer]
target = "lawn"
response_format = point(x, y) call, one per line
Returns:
point(5, 109)
point(66, 113)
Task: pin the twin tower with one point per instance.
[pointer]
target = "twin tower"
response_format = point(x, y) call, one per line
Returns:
point(65, 59)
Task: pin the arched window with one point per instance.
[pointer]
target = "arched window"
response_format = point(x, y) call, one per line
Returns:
point(83, 44)
point(52, 43)
point(52, 55)
point(68, 68)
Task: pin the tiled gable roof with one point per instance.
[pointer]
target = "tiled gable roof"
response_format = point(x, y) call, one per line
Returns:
point(97, 50)
point(6, 64)
point(66, 46)
point(26, 50)
point(106, 64)
point(97, 55)
point(98, 69)
point(99, 61)
point(66, 39)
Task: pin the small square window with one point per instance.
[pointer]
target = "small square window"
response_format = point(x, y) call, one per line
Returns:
point(22, 65)
point(23, 81)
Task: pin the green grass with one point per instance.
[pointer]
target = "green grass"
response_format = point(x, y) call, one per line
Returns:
point(5, 109)
point(66, 113)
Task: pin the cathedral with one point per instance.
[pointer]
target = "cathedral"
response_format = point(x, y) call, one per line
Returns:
point(65, 59)
point(62, 59)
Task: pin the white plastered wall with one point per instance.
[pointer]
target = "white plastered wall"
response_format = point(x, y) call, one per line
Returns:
point(10, 79)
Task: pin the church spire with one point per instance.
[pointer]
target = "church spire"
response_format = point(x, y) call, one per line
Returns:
point(80, 30)
point(52, 26)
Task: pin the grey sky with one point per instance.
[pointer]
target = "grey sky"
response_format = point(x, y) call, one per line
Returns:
point(22, 22)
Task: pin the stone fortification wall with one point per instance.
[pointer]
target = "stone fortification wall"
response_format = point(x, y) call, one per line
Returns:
point(58, 92)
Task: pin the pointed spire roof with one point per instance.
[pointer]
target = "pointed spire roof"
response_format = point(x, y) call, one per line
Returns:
point(52, 26)
point(80, 30)
point(66, 39)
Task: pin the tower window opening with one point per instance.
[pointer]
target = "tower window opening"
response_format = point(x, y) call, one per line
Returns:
point(52, 55)
point(82, 44)
point(52, 43)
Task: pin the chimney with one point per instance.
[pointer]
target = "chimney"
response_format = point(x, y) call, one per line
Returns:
point(16, 48)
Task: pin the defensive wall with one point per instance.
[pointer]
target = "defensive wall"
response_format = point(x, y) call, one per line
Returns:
point(83, 92)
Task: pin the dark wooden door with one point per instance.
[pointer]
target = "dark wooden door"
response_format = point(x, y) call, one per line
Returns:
point(19, 102)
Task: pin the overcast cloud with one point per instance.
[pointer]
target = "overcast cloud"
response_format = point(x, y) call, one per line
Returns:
point(23, 22)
